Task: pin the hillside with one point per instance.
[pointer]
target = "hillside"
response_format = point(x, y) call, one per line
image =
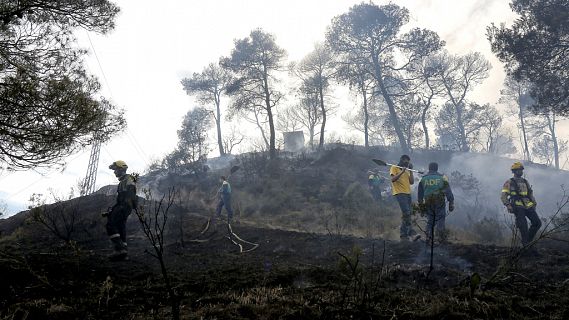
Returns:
point(325, 250)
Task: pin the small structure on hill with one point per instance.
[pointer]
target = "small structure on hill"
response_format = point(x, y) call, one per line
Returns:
point(293, 141)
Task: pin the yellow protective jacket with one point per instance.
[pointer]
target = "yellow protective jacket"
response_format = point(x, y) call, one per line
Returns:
point(126, 194)
point(518, 193)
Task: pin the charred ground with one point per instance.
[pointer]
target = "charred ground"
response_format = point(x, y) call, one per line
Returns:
point(325, 251)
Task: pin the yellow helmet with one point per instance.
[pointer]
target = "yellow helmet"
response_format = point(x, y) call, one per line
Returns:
point(517, 166)
point(119, 164)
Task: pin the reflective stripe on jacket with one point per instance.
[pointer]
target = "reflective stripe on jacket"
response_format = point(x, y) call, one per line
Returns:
point(522, 196)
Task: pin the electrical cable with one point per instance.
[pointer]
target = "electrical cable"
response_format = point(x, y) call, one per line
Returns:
point(130, 136)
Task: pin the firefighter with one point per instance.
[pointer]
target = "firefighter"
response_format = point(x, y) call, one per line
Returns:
point(433, 189)
point(374, 182)
point(118, 214)
point(401, 181)
point(224, 198)
point(517, 196)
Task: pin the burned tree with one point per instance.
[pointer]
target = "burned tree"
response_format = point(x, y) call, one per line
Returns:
point(308, 111)
point(494, 137)
point(254, 60)
point(315, 72)
point(371, 34)
point(546, 144)
point(208, 86)
point(153, 217)
point(459, 76)
point(372, 121)
point(516, 94)
point(60, 219)
point(192, 149)
point(410, 108)
point(463, 136)
point(428, 89)
point(354, 73)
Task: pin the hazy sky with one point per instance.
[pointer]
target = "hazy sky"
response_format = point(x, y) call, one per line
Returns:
point(157, 43)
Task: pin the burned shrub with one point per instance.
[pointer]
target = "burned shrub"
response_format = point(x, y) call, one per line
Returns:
point(60, 219)
point(332, 192)
point(488, 231)
point(277, 201)
point(357, 198)
point(254, 165)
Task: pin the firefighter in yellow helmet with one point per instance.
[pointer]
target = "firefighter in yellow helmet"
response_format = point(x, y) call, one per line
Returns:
point(118, 214)
point(517, 196)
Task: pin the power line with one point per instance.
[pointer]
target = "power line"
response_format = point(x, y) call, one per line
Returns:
point(137, 147)
point(99, 63)
point(41, 178)
point(130, 136)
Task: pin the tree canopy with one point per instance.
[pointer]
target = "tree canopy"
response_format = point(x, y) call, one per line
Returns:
point(208, 86)
point(372, 35)
point(191, 152)
point(254, 59)
point(536, 48)
point(49, 105)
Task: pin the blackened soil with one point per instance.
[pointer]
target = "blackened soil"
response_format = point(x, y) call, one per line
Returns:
point(290, 275)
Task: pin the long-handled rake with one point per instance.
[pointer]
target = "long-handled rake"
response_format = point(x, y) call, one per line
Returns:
point(384, 164)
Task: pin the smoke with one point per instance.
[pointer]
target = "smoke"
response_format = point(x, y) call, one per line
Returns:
point(219, 163)
point(442, 257)
point(492, 172)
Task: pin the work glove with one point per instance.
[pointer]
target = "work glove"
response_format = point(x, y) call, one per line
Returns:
point(451, 206)
point(510, 208)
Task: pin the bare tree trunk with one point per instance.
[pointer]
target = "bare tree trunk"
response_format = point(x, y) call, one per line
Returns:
point(551, 123)
point(263, 135)
point(524, 134)
point(311, 132)
point(426, 107)
point(464, 147)
point(323, 125)
point(425, 129)
point(366, 116)
point(394, 118)
point(272, 148)
point(458, 109)
point(174, 300)
point(218, 125)
point(272, 145)
point(391, 106)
